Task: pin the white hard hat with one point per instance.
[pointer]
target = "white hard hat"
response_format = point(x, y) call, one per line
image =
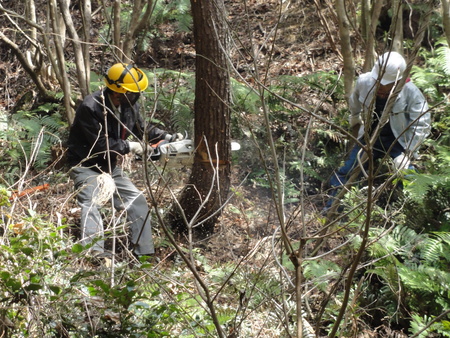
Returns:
point(391, 65)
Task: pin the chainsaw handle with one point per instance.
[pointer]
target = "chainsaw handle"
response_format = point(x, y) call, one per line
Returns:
point(156, 154)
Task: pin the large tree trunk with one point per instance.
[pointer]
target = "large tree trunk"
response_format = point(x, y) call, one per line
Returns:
point(209, 183)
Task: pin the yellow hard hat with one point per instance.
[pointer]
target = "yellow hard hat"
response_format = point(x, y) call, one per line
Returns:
point(122, 78)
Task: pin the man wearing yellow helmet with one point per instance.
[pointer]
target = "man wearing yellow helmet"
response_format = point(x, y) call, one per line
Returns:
point(98, 136)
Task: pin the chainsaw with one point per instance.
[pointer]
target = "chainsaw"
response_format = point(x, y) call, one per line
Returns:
point(178, 153)
point(174, 154)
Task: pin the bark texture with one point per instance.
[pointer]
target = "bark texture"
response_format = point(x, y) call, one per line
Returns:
point(209, 183)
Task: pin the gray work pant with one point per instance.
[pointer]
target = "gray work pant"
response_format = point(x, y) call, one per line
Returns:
point(126, 197)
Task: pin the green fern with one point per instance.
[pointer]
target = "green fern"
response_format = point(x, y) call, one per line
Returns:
point(321, 272)
point(410, 263)
point(425, 279)
point(245, 99)
point(421, 184)
point(174, 93)
point(177, 11)
point(418, 323)
point(432, 250)
point(425, 78)
point(181, 14)
point(443, 56)
point(26, 128)
point(433, 77)
point(400, 241)
point(440, 254)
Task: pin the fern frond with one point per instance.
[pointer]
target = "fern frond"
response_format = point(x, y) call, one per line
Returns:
point(421, 184)
point(244, 97)
point(425, 78)
point(418, 323)
point(426, 279)
point(52, 123)
point(443, 56)
point(432, 250)
point(321, 271)
point(400, 241)
point(406, 236)
point(444, 237)
point(382, 245)
point(331, 134)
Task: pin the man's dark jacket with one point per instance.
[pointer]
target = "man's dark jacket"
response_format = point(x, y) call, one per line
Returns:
point(88, 143)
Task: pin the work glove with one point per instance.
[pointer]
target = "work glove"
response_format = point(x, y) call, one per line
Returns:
point(174, 137)
point(136, 148)
point(401, 162)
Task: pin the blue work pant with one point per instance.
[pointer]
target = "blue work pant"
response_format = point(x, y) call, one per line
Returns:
point(380, 149)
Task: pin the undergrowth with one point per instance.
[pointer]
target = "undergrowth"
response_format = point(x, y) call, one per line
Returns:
point(50, 286)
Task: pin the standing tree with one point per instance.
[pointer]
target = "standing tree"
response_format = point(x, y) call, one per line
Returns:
point(204, 195)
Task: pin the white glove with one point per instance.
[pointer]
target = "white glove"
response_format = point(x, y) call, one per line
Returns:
point(174, 137)
point(136, 148)
point(401, 162)
point(179, 137)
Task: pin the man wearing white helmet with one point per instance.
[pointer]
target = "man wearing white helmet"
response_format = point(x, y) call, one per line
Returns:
point(409, 120)
point(99, 135)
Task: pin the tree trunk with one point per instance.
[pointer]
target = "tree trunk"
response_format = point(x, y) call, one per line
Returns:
point(136, 25)
point(396, 29)
point(65, 84)
point(365, 19)
point(446, 19)
point(115, 23)
point(209, 183)
point(346, 47)
point(369, 60)
point(87, 22)
point(82, 64)
point(30, 14)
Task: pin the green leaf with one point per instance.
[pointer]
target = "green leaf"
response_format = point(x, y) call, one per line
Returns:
point(82, 274)
point(13, 284)
point(77, 248)
point(27, 251)
point(33, 287)
point(55, 289)
point(5, 275)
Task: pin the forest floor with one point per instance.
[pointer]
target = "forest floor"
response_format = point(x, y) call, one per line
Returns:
point(299, 47)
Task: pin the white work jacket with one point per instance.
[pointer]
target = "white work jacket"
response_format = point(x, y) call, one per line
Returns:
point(409, 118)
